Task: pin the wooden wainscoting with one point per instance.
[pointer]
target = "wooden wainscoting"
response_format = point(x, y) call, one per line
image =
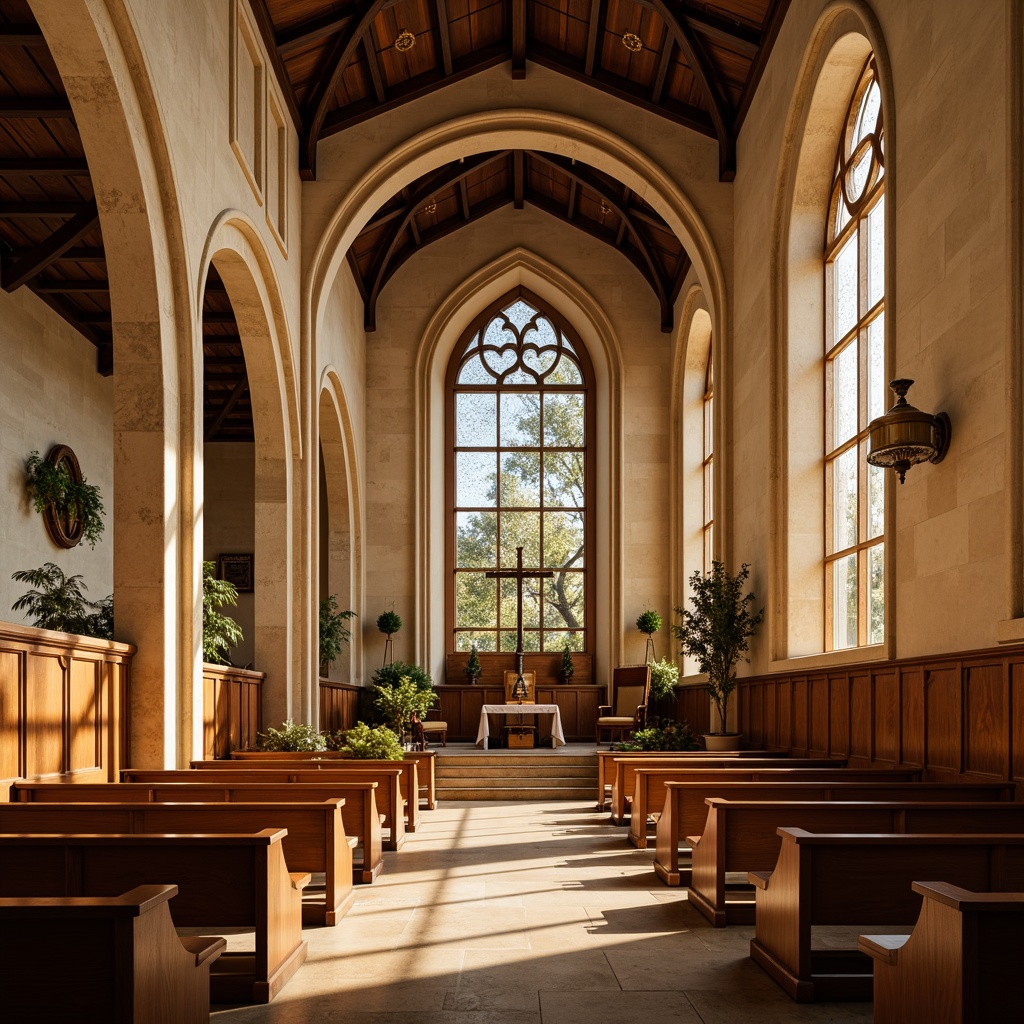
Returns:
point(63, 706)
point(232, 709)
point(494, 665)
point(693, 706)
point(339, 705)
point(953, 715)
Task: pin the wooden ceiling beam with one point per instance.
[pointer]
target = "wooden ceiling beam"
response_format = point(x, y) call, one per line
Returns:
point(240, 388)
point(78, 254)
point(518, 39)
point(23, 167)
point(327, 82)
point(21, 35)
point(265, 23)
point(593, 35)
point(71, 287)
point(720, 28)
point(35, 106)
point(518, 179)
point(664, 59)
point(211, 316)
point(445, 36)
point(90, 329)
point(19, 209)
point(682, 269)
point(570, 208)
point(772, 23)
point(374, 65)
point(299, 36)
point(14, 273)
point(357, 274)
point(464, 198)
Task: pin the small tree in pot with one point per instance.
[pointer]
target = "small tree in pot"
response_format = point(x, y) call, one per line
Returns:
point(716, 632)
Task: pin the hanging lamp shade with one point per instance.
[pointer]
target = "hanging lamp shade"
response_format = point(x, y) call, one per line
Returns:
point(905, 436)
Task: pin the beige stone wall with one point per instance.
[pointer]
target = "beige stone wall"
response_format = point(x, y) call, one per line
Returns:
point(50, 394)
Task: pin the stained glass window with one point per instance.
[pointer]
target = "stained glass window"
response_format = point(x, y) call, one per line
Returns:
point(519, 420)
point(855, 376)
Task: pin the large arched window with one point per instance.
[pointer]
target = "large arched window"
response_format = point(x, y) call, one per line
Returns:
point(519, 425)
point(855, 377)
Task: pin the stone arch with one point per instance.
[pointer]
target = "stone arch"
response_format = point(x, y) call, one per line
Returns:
point(450, 320)
point(234, 247)
point(846, 32)
point(97, 53)
point(342, 561)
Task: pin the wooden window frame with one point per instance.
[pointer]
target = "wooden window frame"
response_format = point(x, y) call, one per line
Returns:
point(708, 466)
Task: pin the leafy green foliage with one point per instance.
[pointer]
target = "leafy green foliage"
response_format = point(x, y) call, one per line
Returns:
point(664, 677)
point(666, 735)
point(220, 632)
point(393, 674)
point(375, 744)
point(292, 736)
point(398, 704)
point(75, 502)
point(716, 631)
point(648, 622)
point(58, 602)
point(568, 668)
point(389, 622)
point(472, 669)
point(333, 632)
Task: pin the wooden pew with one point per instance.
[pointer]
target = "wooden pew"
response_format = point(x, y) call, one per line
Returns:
point(425, 761)
point(316, 840)
point(842, 879)
point(359, 813)
point(224, 881)
point(742, 836)
point(606, 766)
point(107, 958)
point(649, 790)
point(389, 796)
point(961, 965)
point(685, 810)
point(623, 782)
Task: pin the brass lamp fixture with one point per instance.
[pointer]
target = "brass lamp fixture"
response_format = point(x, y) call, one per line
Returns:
point(905, 436)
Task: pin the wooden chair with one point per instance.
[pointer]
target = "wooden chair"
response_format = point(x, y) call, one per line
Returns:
point(628, 709)
point(427, 728)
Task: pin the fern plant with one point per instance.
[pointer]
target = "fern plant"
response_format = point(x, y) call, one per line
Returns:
point(220, 632)
point(334, 634)
point(59, 602)
point(75, 503)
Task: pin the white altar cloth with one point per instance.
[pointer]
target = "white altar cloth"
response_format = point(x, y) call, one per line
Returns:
point(484, 732)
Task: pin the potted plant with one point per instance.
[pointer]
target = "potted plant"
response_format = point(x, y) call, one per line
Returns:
point(649, 622)
point(292, 736)
point(388, 623)
point(716, 633)
point(71, 507)
point(666, 734)
point(568, 668)
point(220, 632)
point(334, 634)
point(664, 677)
point(472, 668)
point(377, 743)
point(399, 704)
point(58, 602)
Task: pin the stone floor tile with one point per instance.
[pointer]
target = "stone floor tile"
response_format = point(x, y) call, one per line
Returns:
point(579, 1006)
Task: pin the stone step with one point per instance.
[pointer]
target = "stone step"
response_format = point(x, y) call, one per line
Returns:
point(572, 771)
point(518, 793)
point(518, 776)
point(498, 758)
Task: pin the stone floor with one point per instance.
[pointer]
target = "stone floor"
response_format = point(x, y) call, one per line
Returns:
point(528, 913)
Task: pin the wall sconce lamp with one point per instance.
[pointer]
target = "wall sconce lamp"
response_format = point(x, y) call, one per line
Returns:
point(905, 436)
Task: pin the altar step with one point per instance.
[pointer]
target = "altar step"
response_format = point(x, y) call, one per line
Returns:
point(520, 776)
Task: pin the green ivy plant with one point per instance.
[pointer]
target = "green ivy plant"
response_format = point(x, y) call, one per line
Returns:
point(220, 632)
point(59, 602)
point(377, 744)
point(334, 634)
point(73, 502)
point(717, 629)
point(292, 736)
point(389, 622)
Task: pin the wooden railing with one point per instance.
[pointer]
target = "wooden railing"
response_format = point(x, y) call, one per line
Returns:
point(339, 705)
point(952, 715)
point(232, 709)
point(63, 706)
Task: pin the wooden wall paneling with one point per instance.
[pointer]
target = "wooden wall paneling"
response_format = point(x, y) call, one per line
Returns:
point(912, 715)
point(232, 709)
point(799, 734)
point(85, 715)
point(861, 712)
point(493, 665)
point(943, 718)
point(1017, 720)
point(839, 715)
point(693, 706)
point(770, 704)
point(986, 719)
point(44, 715)
point(784, 712)
point(12, 745)
point(887, 717)
point(818, 716)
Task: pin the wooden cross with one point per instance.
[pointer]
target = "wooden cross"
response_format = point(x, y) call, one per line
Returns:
point(519, 574)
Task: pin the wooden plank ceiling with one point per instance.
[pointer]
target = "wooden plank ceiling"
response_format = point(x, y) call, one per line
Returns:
point(692, 62)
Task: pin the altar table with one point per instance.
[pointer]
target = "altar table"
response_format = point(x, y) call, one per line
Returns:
point(557, 736)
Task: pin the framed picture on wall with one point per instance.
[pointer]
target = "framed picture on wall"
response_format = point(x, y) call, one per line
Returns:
point(237, 569)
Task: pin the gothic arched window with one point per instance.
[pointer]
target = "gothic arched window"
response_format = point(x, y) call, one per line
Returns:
point(855, 376)
point(519, 420)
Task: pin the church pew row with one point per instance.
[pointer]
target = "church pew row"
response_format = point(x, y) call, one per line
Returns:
point(425, 765)
point(624, 770)
point(960, 965)
point(315, 840)
point(118, 959)
point(842, 879)
point(389, 796)
point(224, 881)
point(649, 789)
point(408, 779)
point(606, 765)
point(685, 812)
point(742, 836)
point(359, 812)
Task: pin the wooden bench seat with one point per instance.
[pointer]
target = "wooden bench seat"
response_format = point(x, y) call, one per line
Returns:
point(116, 959)
point(649, 789)
point(742, 836)
point(316, 840)
point(685, 811)
point(359, 812)
point(224, 881)
point(623, 781)
point(862, 880)
point(390, 802)
point(961, 964)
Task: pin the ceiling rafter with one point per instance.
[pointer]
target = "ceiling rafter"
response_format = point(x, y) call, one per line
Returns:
point(239, 390)
point(772, 25)
point(14, 273)
point(21, 35)
point(265, 24)
point(664, 59)
point(35, 106)
point(593, 35)
point(518, 16)
point(374, 65)
point(445, 36)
